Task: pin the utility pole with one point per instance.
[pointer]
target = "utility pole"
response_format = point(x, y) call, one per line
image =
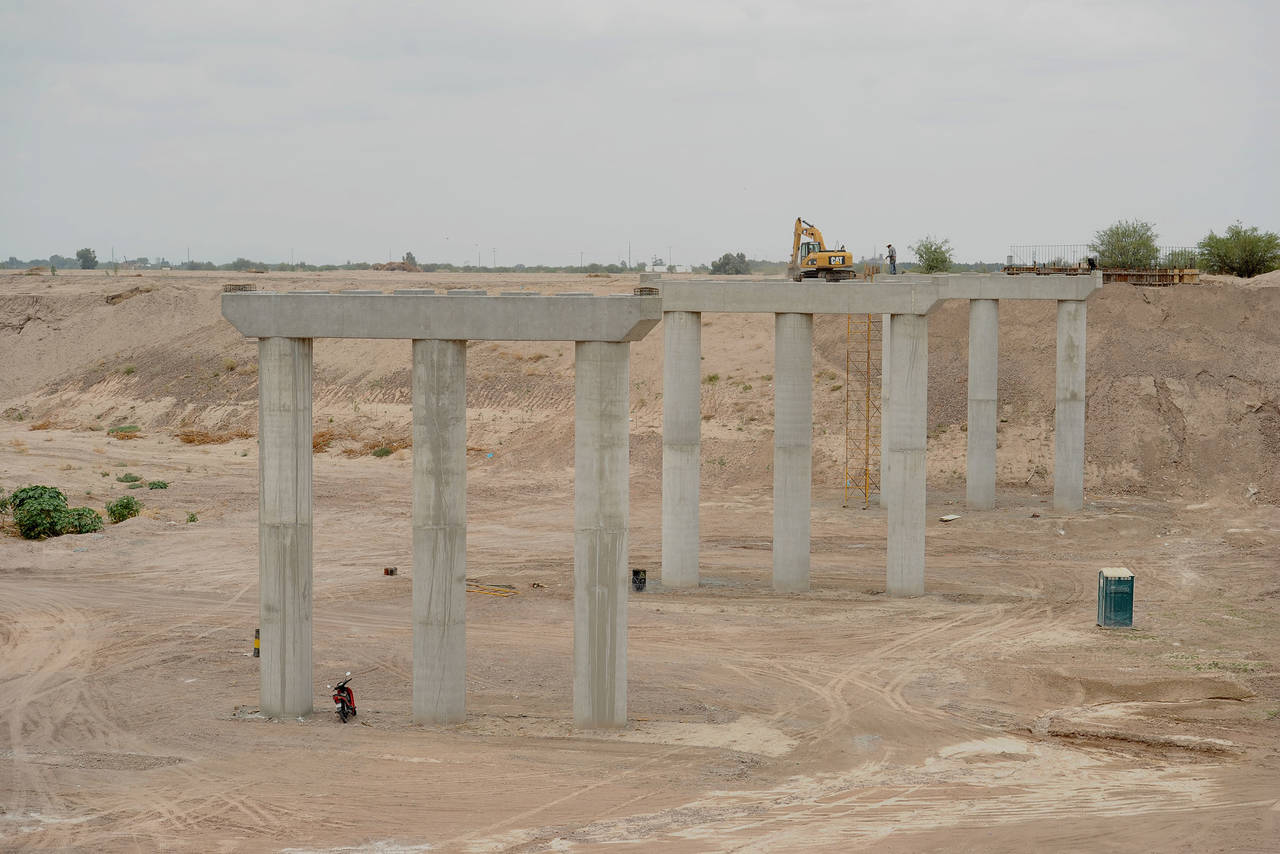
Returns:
point(628, 254)
point(495, 256)
point(579, 257)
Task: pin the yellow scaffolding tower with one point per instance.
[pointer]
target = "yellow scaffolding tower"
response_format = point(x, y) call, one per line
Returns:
point(862, 377)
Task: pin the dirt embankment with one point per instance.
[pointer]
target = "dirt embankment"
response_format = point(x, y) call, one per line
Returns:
point(1182, 398)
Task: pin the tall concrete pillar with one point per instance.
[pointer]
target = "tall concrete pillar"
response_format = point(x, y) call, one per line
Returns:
point(904, 445)
point(884, 406)
point(284, 525)
point(439, 531)
point(792, 450)
point(1068, 421)
point(600, 503)
point(681, 446)
point(984, 357)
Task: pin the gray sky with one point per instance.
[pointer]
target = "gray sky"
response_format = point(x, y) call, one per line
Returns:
point(344, 130)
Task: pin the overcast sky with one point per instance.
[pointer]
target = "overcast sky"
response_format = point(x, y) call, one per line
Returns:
point(540, 130)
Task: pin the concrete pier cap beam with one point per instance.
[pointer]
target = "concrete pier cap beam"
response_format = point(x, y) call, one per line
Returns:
point(444, 316)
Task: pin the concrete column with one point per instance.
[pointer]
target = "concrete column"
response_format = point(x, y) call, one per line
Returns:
point(284, 525)
point(884, 406)
point(681, 446)
point(1068, 421)
point(600, 506)
point(439, 531)
point(792, 450)
point(904, 445)
point(984, 356)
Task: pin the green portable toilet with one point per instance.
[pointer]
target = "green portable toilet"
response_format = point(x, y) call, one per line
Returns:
point(1115, 598)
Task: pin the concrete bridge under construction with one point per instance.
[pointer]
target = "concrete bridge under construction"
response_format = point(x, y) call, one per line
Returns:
point(602, 328)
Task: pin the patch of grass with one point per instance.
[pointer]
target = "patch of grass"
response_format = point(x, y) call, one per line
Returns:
point(135, 486)
point(124, 508)
point(128, 369)
point(1229, 666)
point(208, 437)
point(228, 365)
point(836, 387)
point(191, 517)
point(711, 378)
point(124, 431)
point(157, 484)
point(746, 386)
point(766, 377)
point(129, 477)
point(379, 447)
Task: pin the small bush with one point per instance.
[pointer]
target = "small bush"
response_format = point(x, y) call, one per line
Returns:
point(191, 517)
point(157, 484)
point(711, 378)
point(128, 369)
point(122, 428)
point(124, 508)
point(81, 520)
point(129, 477)
point(383, 451)
point(38, 511)
point(934, 255)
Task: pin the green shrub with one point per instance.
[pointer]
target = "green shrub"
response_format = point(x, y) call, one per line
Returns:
point(123, 428)
point(38, 511)
point(191, 517)
point(384, 451)
point(81, 520)
point(1244, 252)
point(1127, 244)
point(129, 477)
point(157, 484)
point(124, 508)
point(934, 255)
point(135, 486)
point(28, 493)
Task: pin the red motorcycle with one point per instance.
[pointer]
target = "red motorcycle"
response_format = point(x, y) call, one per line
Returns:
point(344, 699)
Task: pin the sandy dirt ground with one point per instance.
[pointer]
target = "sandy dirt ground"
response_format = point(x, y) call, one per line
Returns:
point(989, 715)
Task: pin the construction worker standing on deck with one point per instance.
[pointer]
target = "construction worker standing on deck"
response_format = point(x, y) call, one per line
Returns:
point(893, 260)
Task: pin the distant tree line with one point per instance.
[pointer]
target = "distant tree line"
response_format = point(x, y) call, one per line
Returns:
point(1240, 251)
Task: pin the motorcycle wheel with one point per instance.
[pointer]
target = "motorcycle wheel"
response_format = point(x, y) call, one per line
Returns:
point(342, 713)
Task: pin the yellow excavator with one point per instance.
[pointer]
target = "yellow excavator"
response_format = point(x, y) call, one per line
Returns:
point(811, 258)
